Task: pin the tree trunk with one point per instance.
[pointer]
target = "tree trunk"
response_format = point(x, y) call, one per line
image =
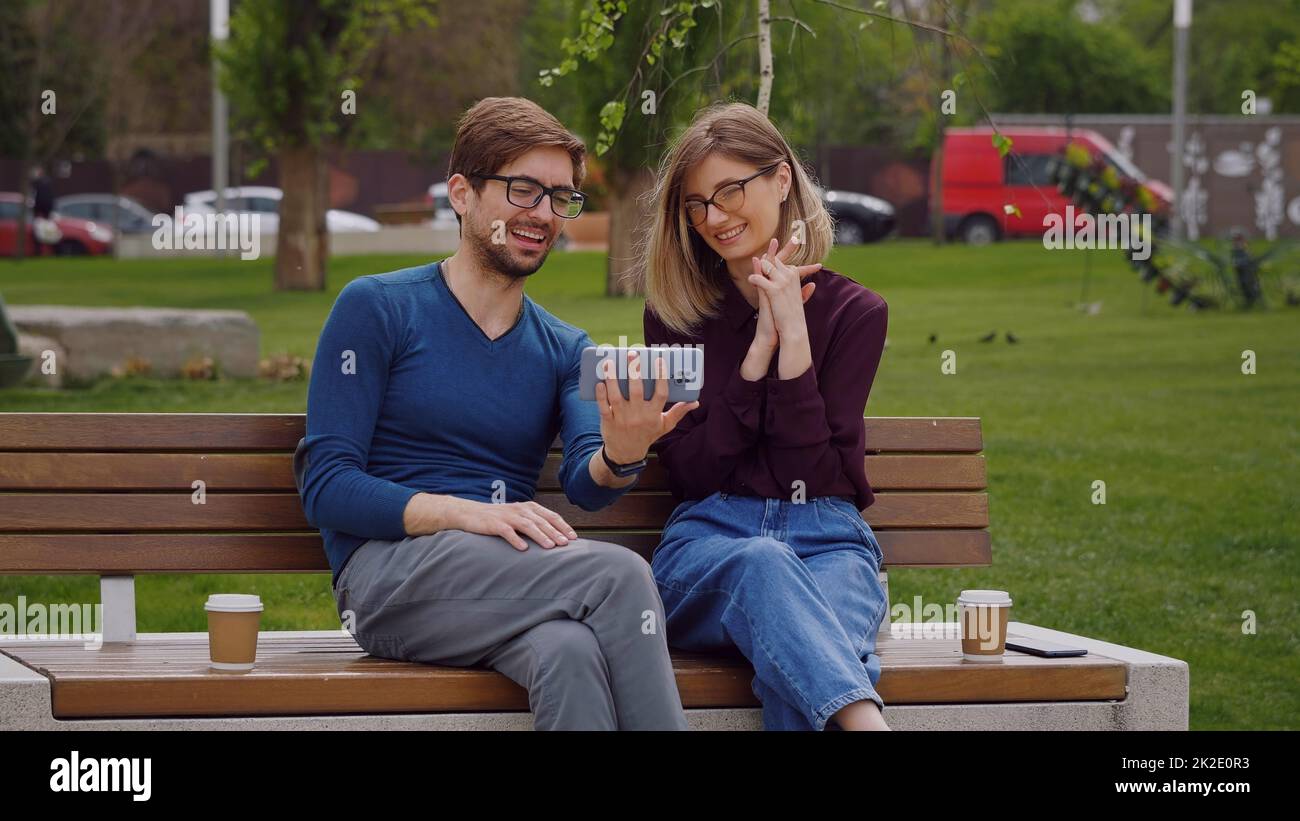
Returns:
point(937, 229)
point(24, 191)
point(115, 170)
point(302, 244)
point(628, 214)
point(936, 190)
point(764, 55)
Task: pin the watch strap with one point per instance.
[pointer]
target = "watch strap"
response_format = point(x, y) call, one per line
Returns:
point(622, 470)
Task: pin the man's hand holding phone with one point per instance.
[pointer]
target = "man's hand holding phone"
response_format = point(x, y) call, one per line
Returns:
point(631, 425)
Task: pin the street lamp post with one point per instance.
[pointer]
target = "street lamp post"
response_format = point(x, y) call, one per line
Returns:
point(220, 31)
point(1182, 22)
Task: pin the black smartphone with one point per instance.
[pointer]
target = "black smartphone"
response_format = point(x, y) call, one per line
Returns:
point(1046, 649)
point(685, 367)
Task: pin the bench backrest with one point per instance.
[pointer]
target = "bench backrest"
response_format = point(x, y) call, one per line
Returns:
point(114, 494)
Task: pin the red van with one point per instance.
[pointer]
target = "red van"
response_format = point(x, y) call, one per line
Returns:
point(976, 183)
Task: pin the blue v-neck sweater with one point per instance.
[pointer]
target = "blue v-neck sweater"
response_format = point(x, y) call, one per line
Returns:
point(408, 394)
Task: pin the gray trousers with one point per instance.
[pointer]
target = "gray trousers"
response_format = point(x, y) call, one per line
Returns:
point(581, 626)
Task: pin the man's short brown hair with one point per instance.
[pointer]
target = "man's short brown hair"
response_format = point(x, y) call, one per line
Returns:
point(496, 130)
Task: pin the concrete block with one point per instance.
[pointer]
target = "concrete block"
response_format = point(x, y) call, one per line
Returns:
point(35, 347)
point(97, 340)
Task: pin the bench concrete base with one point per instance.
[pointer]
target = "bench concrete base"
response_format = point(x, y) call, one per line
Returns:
point(1157, 700)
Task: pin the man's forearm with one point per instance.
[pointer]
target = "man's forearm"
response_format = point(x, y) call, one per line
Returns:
point(603, 476)
point(429, 513)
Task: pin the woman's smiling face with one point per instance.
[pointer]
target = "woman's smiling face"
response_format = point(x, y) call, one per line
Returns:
point(744, 231)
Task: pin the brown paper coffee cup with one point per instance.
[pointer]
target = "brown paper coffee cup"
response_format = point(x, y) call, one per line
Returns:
point(984, 616)
point(233, 622)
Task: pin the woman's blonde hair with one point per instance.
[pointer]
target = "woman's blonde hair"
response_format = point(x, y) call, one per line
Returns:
point(682, 275)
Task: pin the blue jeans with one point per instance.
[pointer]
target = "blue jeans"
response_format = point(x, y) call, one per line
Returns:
point(793, 586)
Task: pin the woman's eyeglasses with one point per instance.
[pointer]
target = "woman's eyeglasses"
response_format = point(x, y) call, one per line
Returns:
point(728, 198)
point(523, 192)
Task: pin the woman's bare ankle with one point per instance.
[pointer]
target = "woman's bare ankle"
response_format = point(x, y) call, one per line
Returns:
point(860, 715)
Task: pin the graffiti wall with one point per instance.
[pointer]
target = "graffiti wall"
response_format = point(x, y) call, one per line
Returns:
point(1239, 172)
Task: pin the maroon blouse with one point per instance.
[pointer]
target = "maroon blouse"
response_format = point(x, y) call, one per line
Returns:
point(758, 438)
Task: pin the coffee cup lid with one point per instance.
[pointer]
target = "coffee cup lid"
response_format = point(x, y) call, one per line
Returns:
point(984, 597)
point(234, 602)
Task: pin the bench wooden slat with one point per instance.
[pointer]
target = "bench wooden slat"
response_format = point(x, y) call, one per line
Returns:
point(151, 431)
point(52, 470)
point(132, 553)
point(152, 512)
point(913, 471)
point(329, 674)
point(225, 432)
point(889, 510)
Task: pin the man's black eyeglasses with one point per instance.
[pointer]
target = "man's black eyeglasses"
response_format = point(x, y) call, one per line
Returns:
point(523, 192)
point(728, 198)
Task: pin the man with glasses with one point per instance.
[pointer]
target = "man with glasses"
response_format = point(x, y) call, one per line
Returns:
point(434, 398)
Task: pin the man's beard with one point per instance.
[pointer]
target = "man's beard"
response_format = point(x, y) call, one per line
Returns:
point(496, 257)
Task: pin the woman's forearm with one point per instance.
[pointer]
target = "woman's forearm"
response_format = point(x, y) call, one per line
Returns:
point(795, 356)
point(756, 363)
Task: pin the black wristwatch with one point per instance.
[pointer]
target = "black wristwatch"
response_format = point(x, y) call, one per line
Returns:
point(630, 469)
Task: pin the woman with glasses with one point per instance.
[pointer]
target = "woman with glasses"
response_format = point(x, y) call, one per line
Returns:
point(767, 552)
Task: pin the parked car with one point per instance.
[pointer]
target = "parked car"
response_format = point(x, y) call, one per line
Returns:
point(131, 217)
point(976, 183)
point(78, 236)
point(436, 198)
point(859, 218)
point(265, 201)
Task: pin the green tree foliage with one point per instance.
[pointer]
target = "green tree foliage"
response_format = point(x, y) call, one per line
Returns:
point(1046, 58)
point(596, 82)
point(293, 71)
point(836, 76)
point(1233, 45)
point(288, 62)
point(1285, 89)
point(623, 75)
point(421, 80)
point(840, 77)
point(49, 45)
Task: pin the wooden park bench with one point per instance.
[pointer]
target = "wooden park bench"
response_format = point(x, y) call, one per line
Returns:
point(111, 495)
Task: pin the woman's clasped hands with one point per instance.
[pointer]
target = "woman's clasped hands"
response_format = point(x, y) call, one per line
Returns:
point(781, 324)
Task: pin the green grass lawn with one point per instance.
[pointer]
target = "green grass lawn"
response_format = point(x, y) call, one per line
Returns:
point(1200, 461)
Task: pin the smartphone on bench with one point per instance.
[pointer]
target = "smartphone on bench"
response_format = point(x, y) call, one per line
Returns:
point(1046, 649)
point(685, 370)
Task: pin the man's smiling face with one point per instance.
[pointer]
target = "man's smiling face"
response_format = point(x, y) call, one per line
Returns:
point(520, 249)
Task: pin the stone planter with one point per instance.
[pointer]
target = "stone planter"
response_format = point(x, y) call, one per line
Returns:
point(95, 341)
